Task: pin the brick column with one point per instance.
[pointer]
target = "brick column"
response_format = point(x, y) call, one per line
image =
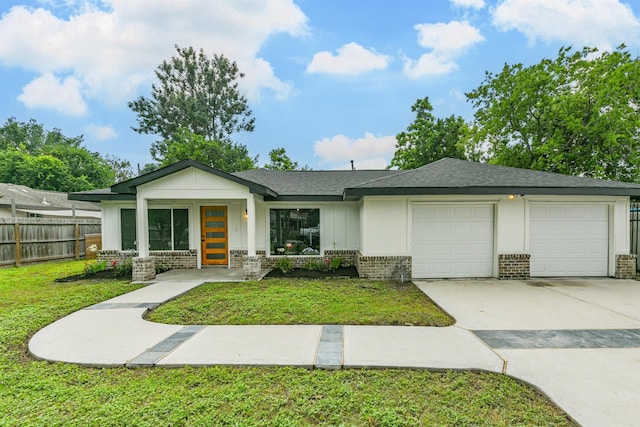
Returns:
point(144, 269)
point(251, 266)
point(514, 266)
point(625, 266)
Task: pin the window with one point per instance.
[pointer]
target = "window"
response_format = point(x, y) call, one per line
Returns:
point(294, 231)
point(127, 229)
point(168, 229)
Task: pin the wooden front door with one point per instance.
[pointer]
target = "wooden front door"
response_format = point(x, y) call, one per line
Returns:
point(214, 238)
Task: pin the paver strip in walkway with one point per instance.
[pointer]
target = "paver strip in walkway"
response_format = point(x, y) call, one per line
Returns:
point(330, 348)
point(160, 350)
point(580, 338)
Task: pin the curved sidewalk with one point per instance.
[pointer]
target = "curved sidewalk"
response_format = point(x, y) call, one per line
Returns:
point(114, 333)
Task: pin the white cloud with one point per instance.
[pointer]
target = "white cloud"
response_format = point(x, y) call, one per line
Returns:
point(112, 47)
point(370, 152)
point(100, 133)
point(476, 4)
point(351, 59)
point(446, 41)
point(598, 23)
point(47, 91)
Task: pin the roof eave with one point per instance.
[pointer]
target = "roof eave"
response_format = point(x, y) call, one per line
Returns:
point(354, 193)
point(98, 197)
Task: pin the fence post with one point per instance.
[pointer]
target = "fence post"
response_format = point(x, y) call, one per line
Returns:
point(16, 233)
point(77, 241)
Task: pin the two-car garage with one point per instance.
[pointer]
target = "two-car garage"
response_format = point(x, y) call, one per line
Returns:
point(458, 240)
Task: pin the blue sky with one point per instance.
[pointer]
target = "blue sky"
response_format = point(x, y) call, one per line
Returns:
point(329, 80)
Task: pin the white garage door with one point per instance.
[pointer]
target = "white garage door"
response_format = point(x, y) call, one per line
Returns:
point(452, 241)
point(569, 240)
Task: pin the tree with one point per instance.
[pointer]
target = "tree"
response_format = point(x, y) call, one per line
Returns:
point(279, 161)
point(196, 94)
point(121, 168)
point(30, 153)
point(428, 138)
point(224, 156)
point(577, 114)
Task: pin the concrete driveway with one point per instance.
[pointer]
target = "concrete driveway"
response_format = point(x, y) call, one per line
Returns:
point(576, 339)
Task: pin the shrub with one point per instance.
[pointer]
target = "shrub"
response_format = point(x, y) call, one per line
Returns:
point(285, 264)
point(313, 266)
point(122, 269)
point(95, 267)
point(336, 263)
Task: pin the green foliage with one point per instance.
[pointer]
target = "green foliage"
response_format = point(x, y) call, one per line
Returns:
point(35, 393)
point(285, 264)
point(298, 301)
point(95, 267)
point(123, 268)
point(279, 161)
point(576, 114)
point(428, 138)
point(336, 262)
point(224, 156)
point(195, 95)
point(48, 160)
point(314, 266)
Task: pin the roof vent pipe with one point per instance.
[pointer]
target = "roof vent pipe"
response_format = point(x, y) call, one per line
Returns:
point(353, 167)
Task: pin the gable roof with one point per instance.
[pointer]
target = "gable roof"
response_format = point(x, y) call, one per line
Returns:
point(130, 185)
point(312, 185)
point(453, 176)
point(445, 176)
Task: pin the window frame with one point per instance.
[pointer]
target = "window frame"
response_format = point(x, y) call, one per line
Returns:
point(269, 208)
point(171, 223)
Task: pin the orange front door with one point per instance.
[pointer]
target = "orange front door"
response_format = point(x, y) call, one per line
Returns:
point(213, 230)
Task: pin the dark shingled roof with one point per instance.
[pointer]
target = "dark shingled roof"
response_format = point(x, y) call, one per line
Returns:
point(314, 185)
point(446, 176)
point(452, 176)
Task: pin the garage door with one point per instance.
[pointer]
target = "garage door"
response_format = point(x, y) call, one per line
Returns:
point(569, 240)
point(452, 241)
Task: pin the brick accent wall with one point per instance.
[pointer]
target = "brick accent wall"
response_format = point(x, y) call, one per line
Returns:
point(514, 266)
point(299, 261)
point(384, 267)
point(236, 256)
point(625, 266)
point(167, 260)
point(251, 266)
point(176, 260)
point(144, 269)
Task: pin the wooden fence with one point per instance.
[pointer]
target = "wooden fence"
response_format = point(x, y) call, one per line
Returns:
point(24, 240)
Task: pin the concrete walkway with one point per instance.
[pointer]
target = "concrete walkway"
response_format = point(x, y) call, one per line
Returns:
point(549, 333)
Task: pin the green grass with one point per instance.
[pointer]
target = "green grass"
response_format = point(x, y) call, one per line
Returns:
point(292, 302)
point(35, 393)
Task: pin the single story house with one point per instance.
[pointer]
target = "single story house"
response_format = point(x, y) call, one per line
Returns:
point(448, 219)
point(20, 201)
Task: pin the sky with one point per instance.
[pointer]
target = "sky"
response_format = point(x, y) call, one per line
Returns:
point(329, 80)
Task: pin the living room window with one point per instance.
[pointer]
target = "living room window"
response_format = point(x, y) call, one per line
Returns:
point(294, 231)
point(168, 229)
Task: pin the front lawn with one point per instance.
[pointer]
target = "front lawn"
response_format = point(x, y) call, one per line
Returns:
point(35, 393)
point(293, 302)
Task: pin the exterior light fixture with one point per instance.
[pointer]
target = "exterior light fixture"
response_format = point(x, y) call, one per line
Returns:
point(511, 197)
point(245, 215)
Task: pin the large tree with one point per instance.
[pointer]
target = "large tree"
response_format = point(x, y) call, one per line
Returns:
point(576, 114)
point(196, 94)
point(48, 160)
point(429, 138)
point(223, 155)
